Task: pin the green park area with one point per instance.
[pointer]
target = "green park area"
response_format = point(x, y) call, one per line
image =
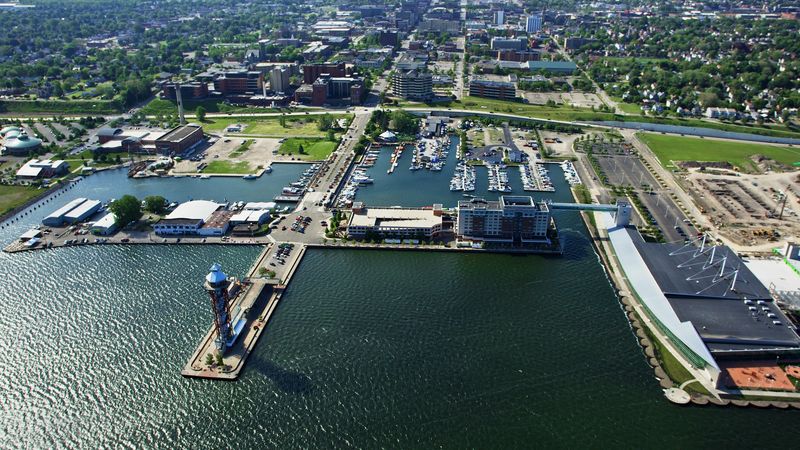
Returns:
point(13, 196)
point(273, 126)
point(228, 167)
point(167, 107)
point(308, 149)
point(60, 107)
point(676, 148)
point(558, 112)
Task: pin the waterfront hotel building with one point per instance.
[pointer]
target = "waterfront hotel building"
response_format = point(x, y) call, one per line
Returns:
point(515, 220)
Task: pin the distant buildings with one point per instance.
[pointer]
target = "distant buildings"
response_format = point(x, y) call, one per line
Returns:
point(514, 220)
point(327, 89)
point(499, 43)
point(279, 79)
point(555, 67)
point(518, 55)
point(191, 90)
point(312, 71)
point(574, 43)
point(502, 90)
point(413, 85)
point(499, 17)
point(533, 24)
point(241, 82)
point(721, 113)
point(440, 26)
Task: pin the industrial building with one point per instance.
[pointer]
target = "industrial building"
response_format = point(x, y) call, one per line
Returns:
point(413, 85)
point(34, 169)
point(515, 220)
point(179, 139)
point(75, 211)
point(502, 90)
point(395, 222)
point(193, 217)
point(705, 300)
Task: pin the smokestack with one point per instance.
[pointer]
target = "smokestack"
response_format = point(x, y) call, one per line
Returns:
point(180, 103)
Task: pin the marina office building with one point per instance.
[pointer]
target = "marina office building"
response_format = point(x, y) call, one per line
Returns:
point(396, 222)
point(514, 220)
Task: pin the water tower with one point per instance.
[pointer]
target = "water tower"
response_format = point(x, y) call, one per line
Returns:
point(217, 284)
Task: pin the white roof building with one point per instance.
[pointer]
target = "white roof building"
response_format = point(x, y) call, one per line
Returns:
point(36, 168)
point(194, 210)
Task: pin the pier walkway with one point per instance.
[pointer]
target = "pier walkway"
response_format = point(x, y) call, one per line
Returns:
point(258, 300)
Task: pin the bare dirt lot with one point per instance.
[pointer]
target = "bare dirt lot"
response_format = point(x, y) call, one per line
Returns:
point(747, 208)
point(259, 153)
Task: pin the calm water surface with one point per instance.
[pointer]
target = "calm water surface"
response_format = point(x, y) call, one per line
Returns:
point(367, 349)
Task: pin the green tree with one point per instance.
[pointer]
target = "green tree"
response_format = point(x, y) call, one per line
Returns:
point(405, 122)
point(301, 150)
point(156, 204)
point(282, 120)
point(220, 361)
point(126, 210)
point(209, 359)
point(200, 113)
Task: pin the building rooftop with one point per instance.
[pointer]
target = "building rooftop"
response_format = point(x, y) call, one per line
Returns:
point(194, 210)
point(396, 217)
point(179, 133)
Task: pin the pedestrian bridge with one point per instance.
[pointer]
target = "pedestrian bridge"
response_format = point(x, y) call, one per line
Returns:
point(621, 210)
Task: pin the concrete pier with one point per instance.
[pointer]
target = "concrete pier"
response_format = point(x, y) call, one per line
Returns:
point(259, 301)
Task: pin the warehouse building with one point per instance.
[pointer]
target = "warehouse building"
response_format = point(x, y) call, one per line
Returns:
point(75, 211)
point(179, 139)
point(46, 168)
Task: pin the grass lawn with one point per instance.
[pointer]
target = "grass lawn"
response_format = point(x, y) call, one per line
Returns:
point(79, 107)
point(241, 167)
point(313, 149)
point(270, 126)
point(13, 196)
point(693, 149)
point(627, 108)
point(566, 113)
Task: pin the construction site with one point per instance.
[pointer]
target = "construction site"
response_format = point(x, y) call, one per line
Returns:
point(749, 210)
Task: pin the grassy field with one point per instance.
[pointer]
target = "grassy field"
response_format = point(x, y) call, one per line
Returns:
point(241, 167)
point(628, 108)
point(270, 126)
point(13, 196)
point(692, 149)
point(78, 107)
point(567, 113)
point(313, 149)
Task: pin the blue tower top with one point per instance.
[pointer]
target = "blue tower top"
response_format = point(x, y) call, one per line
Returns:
point(216, 275)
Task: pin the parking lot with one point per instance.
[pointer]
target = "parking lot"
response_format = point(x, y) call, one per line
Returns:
point(259, 153)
